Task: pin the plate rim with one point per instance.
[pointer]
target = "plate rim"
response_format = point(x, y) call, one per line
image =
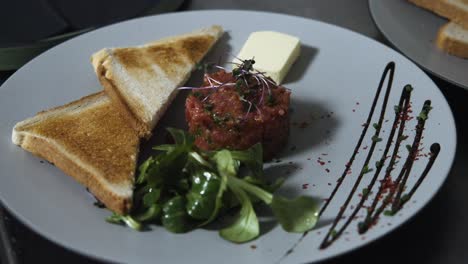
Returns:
point(82, 252)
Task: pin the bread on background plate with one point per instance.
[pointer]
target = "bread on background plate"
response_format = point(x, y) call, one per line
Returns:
point(454, 10)
point(453, 36)
point(453, 39)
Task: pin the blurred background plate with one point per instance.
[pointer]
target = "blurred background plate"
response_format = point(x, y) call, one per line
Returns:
point(29, 27)
point(413, 30)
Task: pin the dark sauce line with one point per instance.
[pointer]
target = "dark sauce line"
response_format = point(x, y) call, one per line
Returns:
point(389, 68)
point(333, 235)
point(400, 115)
point(405, 170)
point(404, 100)
point(404, 173)
point(435, 149)
point(412, 155)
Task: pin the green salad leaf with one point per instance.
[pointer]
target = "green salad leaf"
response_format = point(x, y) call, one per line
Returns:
point(201, 198)
point(128, 220)
point(297, 215)
point(246, 226)
point(252, 158)
point(151, 197)
point(183, 187)
point(175, 217)
point(225, 163)
point(152, 213)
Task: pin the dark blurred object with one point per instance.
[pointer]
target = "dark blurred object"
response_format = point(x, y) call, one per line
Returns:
point(7, 254)
point(89, 13)
point(28, 27)
point(22, 25)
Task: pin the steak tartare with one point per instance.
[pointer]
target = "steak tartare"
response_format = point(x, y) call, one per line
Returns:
point(238, 109)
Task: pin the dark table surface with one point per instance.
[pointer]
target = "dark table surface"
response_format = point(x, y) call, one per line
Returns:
point(438, 234)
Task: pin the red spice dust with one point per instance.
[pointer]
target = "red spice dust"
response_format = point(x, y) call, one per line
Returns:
point(320, 161)
point(253, 247)
point(354, 110)
point(365, 147)
point(327, 170)
point(305, 186)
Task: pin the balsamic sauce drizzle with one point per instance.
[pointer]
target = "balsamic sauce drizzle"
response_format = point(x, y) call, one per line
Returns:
point(389, 68)
point(400, 182)
point(401, 112)
point(404, 101)
point(332, 235)
point(401, 116)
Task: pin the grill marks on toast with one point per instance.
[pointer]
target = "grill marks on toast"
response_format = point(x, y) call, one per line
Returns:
point(142, 81)
point(99, 136)
point(195, 47)
point(90, 141)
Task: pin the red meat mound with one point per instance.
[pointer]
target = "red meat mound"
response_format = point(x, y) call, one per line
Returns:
point(239, 114)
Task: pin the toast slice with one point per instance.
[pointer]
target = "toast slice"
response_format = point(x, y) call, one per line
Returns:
point(453, 39)
point(142, 81)
point(454, 10)
point(90, 141)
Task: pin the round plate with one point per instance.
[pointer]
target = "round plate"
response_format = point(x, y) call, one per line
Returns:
point(332, 84)
point(413, 31)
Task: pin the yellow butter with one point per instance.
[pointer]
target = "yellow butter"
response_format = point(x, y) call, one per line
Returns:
point(273, 52)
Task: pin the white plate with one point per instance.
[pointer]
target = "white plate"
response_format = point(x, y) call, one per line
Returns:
point(413, 31)
point(337, 72)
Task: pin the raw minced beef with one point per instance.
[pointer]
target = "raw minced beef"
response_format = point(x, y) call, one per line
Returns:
point(236, 113)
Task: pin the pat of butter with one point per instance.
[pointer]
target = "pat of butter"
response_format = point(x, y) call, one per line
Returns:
point(273, 52)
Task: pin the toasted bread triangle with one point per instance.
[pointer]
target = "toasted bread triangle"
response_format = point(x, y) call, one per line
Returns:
point(142, 81)
point(89, 140)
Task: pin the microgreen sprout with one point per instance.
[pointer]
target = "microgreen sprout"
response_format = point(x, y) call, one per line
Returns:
point(245, 75)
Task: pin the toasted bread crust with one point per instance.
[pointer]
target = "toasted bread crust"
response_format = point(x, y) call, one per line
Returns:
point(451, 45)
point(444, 9)
point(50, 152)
